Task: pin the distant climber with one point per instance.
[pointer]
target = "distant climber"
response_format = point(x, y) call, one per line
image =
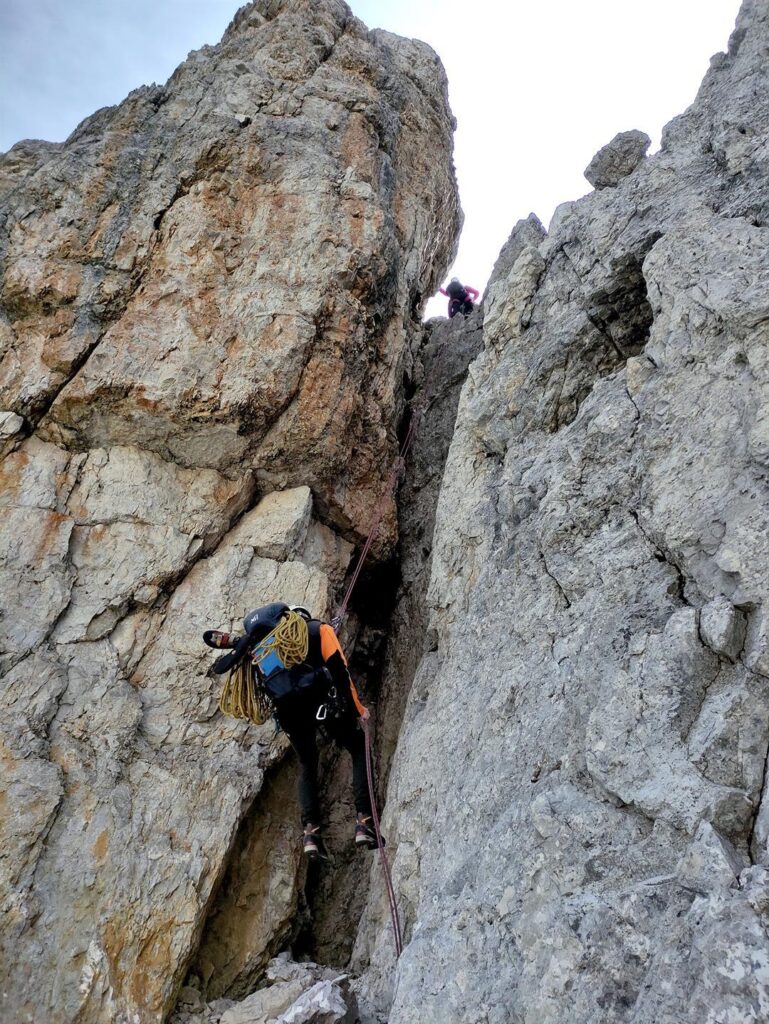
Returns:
point(461, 297)
point(292, 665)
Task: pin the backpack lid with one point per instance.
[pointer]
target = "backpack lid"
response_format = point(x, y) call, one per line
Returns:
point(262, 621)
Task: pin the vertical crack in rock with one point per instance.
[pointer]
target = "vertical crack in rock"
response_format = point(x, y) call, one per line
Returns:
point(390, 610)
point(756, 854)
point(252, 916)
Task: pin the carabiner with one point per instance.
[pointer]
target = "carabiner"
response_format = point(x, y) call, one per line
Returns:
point(321, 713)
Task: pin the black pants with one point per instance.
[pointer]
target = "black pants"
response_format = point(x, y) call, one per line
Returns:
point(463, 306)
point(296, 714)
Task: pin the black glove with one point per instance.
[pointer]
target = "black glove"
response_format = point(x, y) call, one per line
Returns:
point(229, 661)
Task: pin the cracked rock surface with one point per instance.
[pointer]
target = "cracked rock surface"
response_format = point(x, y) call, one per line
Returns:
point(617, 159)
point(577, 806)
point(210, 297)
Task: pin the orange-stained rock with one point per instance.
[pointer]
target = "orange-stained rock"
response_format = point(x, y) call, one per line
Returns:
point(210, 298)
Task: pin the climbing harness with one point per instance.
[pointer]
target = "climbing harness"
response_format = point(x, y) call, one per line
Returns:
point(334, 705)
point(394, 917)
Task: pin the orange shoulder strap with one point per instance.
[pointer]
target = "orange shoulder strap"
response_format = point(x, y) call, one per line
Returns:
point(329, 646)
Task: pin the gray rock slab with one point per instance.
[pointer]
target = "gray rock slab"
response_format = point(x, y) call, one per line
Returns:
point(617, 159)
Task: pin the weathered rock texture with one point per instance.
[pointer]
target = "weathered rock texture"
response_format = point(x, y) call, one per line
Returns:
point(577, 807)
point(292, 994)
point(617, 159)
point(210, 297)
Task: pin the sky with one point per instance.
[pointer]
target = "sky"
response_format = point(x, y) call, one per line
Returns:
point(537, 86)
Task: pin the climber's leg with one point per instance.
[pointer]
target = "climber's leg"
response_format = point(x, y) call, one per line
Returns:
point(346, 733)
point(298, 723)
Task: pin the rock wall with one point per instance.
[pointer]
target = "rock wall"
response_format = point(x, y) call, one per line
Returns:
point(577, 805)
point(208, 337)
point(210, 297)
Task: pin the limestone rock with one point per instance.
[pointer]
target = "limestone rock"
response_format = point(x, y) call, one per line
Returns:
point(279, 522)
point(296, 994)
point(209, 301)
point(586, 734)
point(216, 270)
point(253, 915)
point(723, 627)
point(10, 425)
point(617, 159)
point(710, 860)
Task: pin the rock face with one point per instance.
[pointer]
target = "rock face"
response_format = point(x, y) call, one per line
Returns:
point(210, 298)
point(617, 159)
point(577, 806)
point(209, 336)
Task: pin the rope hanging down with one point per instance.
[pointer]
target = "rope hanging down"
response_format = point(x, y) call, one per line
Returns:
point(394, 917)
point(336, 622)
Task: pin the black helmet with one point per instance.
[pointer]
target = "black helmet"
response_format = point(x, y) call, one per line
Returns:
point(262, 621)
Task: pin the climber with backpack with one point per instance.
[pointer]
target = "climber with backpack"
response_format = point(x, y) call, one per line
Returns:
point(291, 666)
point(461, 297)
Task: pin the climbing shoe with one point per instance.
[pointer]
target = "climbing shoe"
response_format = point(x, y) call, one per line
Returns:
point(216, 639)
point(312, 842)
point(365, 836)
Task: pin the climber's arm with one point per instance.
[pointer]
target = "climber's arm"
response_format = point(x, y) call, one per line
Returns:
point(336, 663)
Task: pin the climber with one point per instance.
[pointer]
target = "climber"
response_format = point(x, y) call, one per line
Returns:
point(461, 297)
point(301, 670)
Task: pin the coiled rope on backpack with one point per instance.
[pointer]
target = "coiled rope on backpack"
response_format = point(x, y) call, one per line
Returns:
point(290, 640)
point(243, 695)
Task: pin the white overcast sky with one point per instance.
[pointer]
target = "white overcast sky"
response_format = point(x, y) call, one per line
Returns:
point(537, 86)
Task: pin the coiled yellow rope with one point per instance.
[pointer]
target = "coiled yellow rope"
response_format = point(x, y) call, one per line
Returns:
point(290, 640)
point(243, 696)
